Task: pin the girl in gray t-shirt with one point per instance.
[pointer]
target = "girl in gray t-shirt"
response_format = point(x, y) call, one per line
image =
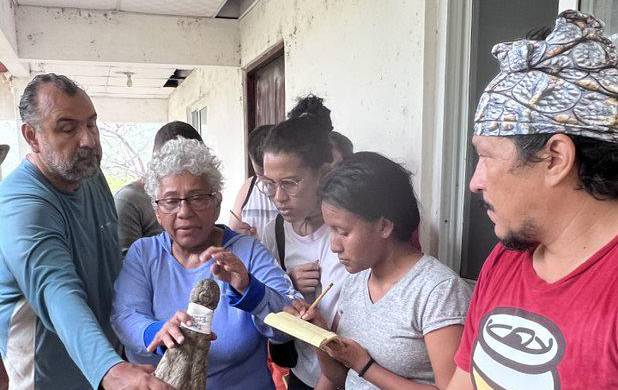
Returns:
point(401, 312)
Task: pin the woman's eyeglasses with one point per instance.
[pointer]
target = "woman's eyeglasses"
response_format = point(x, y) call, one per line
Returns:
point(197, 202)
point(269, 187)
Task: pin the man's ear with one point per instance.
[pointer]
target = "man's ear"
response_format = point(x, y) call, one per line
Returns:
point(386, 227)
point(31, 136)
point(561, 159)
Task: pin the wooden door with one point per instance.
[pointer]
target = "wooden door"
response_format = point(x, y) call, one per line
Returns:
point(266, 92)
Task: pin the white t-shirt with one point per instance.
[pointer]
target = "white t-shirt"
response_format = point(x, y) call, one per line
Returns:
point(258, 211)
point(305, 249)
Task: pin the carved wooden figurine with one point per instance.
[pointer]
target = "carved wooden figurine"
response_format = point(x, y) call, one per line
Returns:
point(186, 366)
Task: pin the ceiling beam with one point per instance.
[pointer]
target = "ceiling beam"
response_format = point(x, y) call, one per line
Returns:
point(8, 40)
point(66, 34)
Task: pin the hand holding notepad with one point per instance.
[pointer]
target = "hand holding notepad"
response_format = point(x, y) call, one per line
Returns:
point(300, 329)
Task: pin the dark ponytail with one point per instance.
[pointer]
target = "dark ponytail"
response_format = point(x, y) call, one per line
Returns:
point(305, 134)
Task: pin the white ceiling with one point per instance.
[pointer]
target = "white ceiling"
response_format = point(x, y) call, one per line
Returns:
point(194, 8)
point(108, 80)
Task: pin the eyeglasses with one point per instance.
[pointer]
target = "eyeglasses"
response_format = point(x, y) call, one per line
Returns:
point(197, 202)
point(269, 187)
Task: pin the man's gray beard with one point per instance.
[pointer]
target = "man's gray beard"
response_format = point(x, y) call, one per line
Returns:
point(521, 240)
point(84, 164)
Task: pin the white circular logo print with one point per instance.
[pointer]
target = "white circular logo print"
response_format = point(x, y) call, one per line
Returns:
point(517, 349)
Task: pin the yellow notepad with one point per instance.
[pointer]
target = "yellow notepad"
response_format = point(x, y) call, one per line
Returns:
point(298, 328)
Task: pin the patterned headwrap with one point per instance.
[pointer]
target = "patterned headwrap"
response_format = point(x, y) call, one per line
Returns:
point(567, 83)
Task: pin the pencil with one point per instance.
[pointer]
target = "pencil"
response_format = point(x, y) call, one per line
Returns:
point(319, 298)
point(236, 216)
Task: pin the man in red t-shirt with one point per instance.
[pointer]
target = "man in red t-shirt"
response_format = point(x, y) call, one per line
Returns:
point(544, 314)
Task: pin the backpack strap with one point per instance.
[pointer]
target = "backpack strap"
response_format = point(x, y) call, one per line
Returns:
point(280, 237)
point(244, 203)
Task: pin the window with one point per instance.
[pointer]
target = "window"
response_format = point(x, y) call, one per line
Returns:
point(127, 149)
point(198, 120)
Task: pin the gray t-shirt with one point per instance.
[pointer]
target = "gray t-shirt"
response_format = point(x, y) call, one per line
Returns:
point(429, 297)
point(136, 217)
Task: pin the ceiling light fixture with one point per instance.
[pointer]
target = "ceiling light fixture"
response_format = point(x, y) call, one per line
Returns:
point(129, 80)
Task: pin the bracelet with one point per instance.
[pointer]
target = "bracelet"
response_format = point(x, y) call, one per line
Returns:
point(366, 367)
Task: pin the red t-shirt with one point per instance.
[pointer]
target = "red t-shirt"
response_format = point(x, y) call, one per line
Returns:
point(524, 333)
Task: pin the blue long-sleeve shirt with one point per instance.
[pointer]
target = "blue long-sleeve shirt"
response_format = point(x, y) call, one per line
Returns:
point(153, 285)
point(59, 257)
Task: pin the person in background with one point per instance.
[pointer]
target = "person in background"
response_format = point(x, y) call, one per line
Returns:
point(342, 146)
point(59, 253)
point(136, 218)
point(401, 313)
point(297, 153)
point(543, 314)
point(153, 288)
point(254, 208)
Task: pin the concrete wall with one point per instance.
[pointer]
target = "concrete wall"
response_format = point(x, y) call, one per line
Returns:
point(130, 110)
point(363, 57)
point(219, 89)
point(352, 53)
point(373, 62)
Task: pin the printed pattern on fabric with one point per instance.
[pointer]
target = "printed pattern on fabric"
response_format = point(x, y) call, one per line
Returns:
point(567, 83)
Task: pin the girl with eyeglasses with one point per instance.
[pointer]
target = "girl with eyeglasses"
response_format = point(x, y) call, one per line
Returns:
point(153, 288)
point(297, 152)
point(254, 208)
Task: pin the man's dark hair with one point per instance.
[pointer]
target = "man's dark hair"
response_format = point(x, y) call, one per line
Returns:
point(304, 134)
point(256, 143)
point(172, 131)
point(373, 186)
point(29, 102)
point(342, 144)
point(597, 161)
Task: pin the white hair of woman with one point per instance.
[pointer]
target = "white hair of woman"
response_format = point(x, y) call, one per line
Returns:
point(183, 155)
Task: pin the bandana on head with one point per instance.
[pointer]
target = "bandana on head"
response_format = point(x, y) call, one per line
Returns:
point(567, 83)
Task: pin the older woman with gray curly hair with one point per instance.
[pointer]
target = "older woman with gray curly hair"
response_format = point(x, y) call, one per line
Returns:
point(152, 290)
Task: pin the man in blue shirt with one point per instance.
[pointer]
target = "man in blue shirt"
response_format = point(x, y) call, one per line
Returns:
point(59, 253)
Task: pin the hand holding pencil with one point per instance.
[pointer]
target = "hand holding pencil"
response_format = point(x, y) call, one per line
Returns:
point(242, 227)
point(315, 303)
point(307, 312)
